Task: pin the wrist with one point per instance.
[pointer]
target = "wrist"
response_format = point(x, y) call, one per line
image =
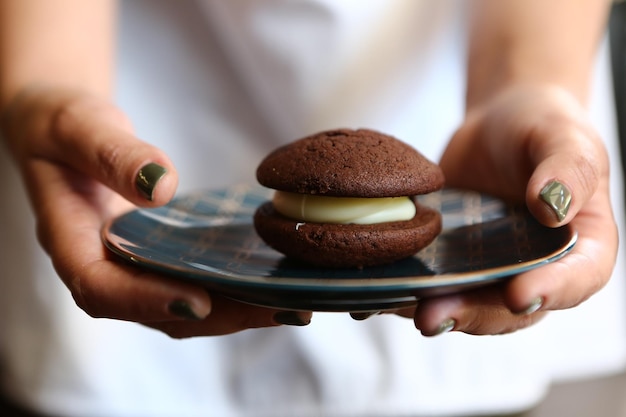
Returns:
point(532, 42)
point(491, 94)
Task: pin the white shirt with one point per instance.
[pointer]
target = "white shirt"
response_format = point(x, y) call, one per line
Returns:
point(217, 85)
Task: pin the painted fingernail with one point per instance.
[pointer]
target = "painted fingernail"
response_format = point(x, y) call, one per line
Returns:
point(182, 309)
point(533, 306)
point(147, 179)
point(558, 197)
point(445, 327)
point(362, 315)
point(291, 318)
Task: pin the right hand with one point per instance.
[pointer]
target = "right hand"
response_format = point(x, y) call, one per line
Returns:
point(79, 161)
point(523, 139)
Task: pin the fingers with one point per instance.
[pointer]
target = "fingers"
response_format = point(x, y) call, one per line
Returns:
point(69, 225)
point(94, 138)
point(479, 312)
point(69, 229)
point(476, 312)
point(229, 316)
point(175, 308)
point(525, 298)
point(534, 145)
point(570, 165)
point(581, 273)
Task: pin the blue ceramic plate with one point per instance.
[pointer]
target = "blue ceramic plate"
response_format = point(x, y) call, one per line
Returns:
point(207, 238)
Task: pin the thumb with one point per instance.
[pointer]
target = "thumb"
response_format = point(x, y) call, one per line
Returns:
point(96, 139)
point(570, 164)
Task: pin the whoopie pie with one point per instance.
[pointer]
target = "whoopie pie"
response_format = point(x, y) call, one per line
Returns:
point(346, 198)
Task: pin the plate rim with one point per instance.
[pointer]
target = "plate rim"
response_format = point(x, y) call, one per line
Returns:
point(346, 285)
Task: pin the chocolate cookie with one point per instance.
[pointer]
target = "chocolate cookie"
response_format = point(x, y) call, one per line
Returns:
point(344, 162)
point(345, 198)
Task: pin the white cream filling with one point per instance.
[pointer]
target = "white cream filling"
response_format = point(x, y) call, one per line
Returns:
point(344, 210)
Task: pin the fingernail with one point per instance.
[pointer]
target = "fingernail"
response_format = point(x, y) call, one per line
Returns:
point(445, 327)
point(558, 197)
point(147, 179)
point(290, 318)
point(533, 306)
point(182, 309)
point(362, 315)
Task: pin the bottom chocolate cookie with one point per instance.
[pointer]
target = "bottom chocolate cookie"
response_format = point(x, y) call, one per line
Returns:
point(347, 245)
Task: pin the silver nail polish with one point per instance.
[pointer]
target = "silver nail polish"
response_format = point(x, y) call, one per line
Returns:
point(558, 197)
point(533, 306)
point(445, 327)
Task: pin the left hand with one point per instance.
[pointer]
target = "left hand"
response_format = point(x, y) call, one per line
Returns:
point(511, 147)
point(80, 163)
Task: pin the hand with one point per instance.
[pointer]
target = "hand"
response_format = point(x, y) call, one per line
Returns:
point(80, 160)
point(522, 140)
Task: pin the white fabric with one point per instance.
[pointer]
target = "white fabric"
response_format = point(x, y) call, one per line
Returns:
point(217, 84)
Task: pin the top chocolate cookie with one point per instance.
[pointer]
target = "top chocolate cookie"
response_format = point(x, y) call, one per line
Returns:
point(354, 163)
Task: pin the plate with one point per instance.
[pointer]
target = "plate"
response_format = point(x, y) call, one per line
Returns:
point(207, 237)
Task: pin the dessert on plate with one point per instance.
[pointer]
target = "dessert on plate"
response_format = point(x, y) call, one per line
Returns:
point(346, 198)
